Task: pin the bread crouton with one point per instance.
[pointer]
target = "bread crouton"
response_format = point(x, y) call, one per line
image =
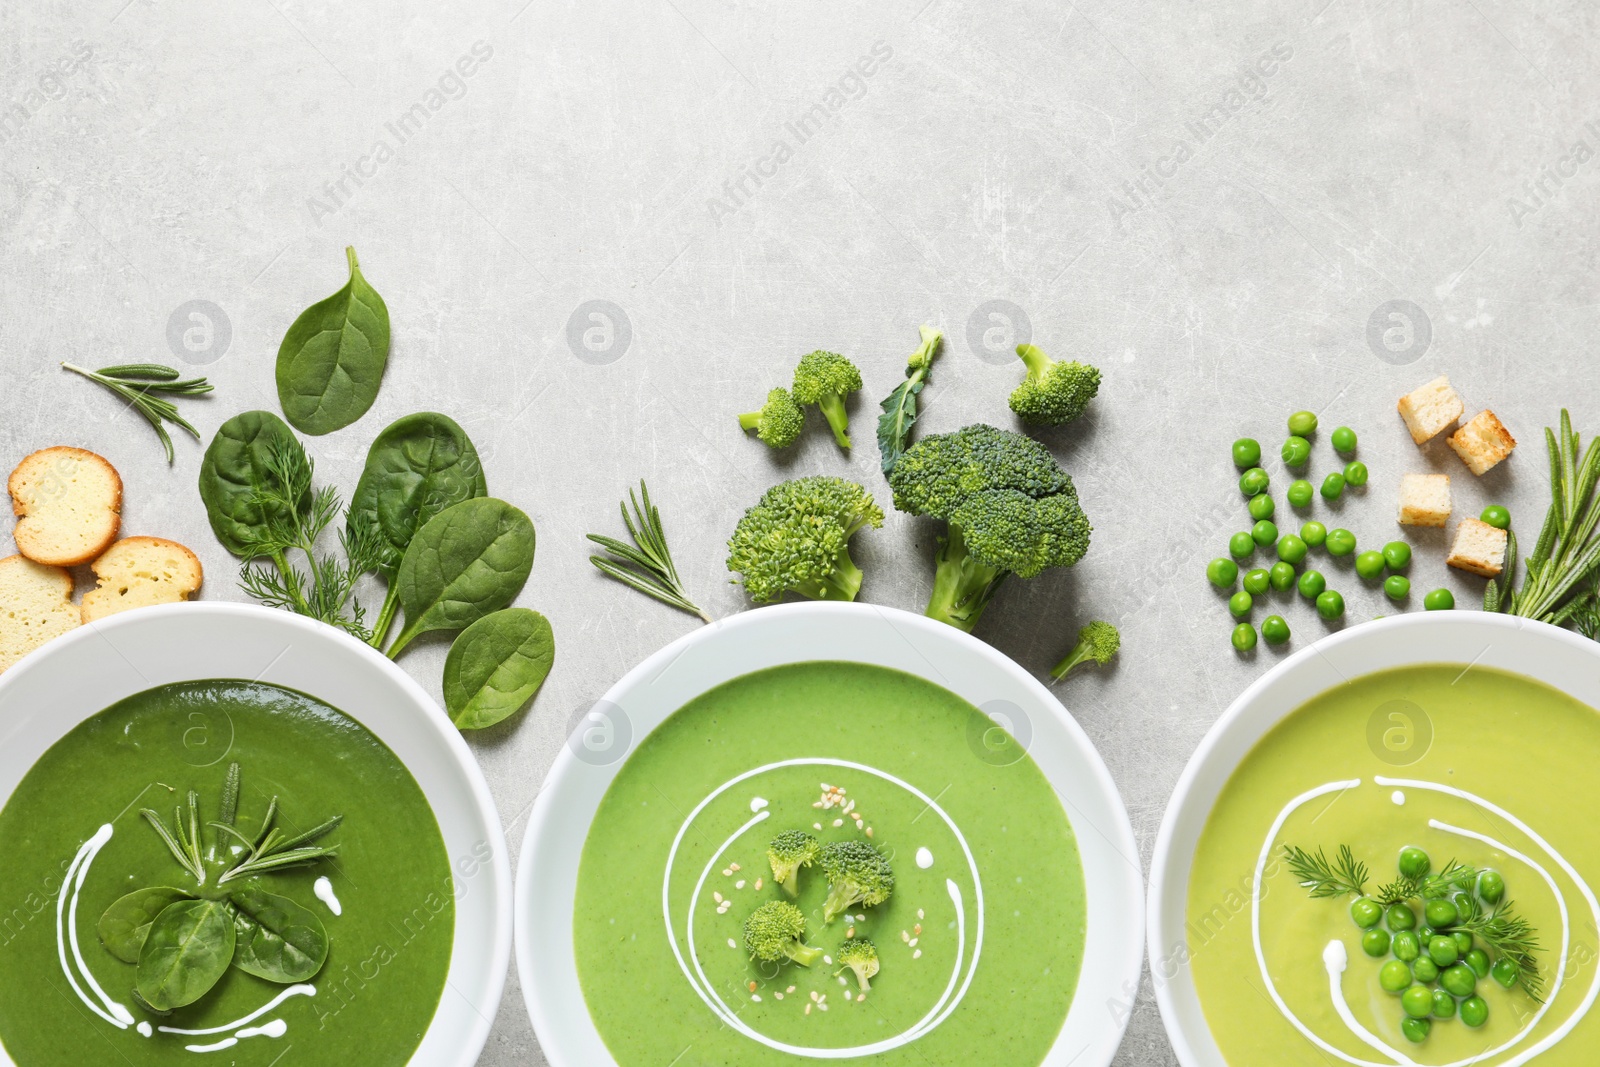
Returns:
point(1431, 408)
point(68, 503)
point(1483, 442)
point(35, 606)
point(1424, 499)
point(139, 571)
point(1479, 548)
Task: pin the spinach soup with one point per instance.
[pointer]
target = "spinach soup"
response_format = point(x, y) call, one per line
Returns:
point(220, 871)
point(829, 860)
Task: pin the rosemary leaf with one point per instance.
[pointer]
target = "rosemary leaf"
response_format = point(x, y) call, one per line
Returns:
point(646, 565)
point(144, 386)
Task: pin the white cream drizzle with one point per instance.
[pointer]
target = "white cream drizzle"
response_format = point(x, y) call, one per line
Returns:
point(67, 932)
point(324, 891)
point(292, 991)
point(1336, 958)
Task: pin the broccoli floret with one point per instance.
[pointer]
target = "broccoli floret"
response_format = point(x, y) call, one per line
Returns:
point(788, 852)
point(779, 421)
point(1053, 392)
point(861, 956)
point(797, 539)
point(1009, 506)
point(775, 931)
point(857, 874)
point(825, 379)
point(1097, 641)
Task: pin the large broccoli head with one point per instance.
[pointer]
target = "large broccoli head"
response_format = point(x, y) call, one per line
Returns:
point(857, 873)
point(797, 539)
point(825, 379)
point(779, 421)
point(1054, 391)
point(1010, 507)
point(774, 932)
point(788, 852)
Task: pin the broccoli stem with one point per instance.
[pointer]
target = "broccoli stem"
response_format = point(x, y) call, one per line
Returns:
point(1035, 360)
point(802, 953)
point(843, 583)
point(832, 406)
point(750, 421)
point(841, 895)
point(1078, 655)
point(962, 587)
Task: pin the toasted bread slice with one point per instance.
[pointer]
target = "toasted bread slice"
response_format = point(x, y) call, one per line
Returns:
point(1479, 548)
point(139, 571)
point(1483, 442)
point(69, 506)
point(1431, 408)
point(35, 606)
point(1424, 499)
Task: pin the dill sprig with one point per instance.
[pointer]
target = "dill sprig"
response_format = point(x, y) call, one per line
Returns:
point(1452, 875)
point(145, 386)
point(645, 565)
point(1345, 876)
point(1509, 934)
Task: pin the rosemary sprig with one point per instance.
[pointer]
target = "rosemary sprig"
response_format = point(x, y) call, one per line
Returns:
point(145, 386)
point(645, 565)
point(184, 845)
point(1345, 876)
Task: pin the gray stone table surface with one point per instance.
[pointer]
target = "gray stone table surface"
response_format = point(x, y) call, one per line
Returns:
point(1217, 203)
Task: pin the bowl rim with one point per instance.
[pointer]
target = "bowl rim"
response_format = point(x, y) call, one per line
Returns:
point(1163, 861)
point(543, 813)
point(432, 719)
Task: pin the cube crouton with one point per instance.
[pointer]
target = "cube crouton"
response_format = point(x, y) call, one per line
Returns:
point(1424, 499)
point(1479, 548)
point(1483, 442)
point(1429, 409)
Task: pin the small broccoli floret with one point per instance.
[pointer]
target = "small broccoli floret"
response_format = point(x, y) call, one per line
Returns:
point(857, 874)
point(797, 539)
point(788, 852)
point(1009, 506)
point(779, 421)
point(861, 956)
point(775, 931)
point(1097, 642)
point(825, 379)
point(1054, 391)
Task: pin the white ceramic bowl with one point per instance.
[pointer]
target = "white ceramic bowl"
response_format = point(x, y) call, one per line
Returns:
point(75, 676)
point(547, 870)
point(1556, 657)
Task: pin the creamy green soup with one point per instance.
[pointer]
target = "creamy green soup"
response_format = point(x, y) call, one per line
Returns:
point(1485, 768)
point(74, 842)
point(979, 946)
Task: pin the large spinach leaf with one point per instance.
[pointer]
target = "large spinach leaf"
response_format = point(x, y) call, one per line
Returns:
point(496, 666)
point(416, 468)
point(188, 948)
point(237, 465)
point(125, 924)
point(471, 559)
point(277, 939)
point(332, 359)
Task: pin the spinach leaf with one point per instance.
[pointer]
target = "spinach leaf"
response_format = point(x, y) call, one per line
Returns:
point(188, 948)
point(238, 463)
point(471, 559)
point(333, 357)
point(124, 926)
point(496, 666)
point(277, 939)
point(415, 469)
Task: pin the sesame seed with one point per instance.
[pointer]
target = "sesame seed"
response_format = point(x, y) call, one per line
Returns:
point(816, 826)
point(838, 823)
point(851, 932)
point(869, 831)
point(752, 987)
point(726, 873)
point(733, 866)
point(777, 996)
point(917, 929)
point(813, 995)
point(904, 936)
point(920, 914)
point(739, 884)
point(912, 942)
point(758, 883)
point(822, 1006)
point(717, 897)
point(917, 955)
point(756, 997)
point(808, 1009)
point(732, 943)
point(828, 960)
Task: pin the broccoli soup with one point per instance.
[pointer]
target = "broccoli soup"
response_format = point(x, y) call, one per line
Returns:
point(219, 872)
point(1403, 872)
point(829, 860)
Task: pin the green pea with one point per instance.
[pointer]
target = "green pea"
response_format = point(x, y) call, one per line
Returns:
point(1254, 481)
point(1394, 977)
point(1246, 452)
point(1274, 629)
point(1330, 605)
point(1240, 604)
point(1282, 576)
point(1491, 887)
point(1444, 1005)
point(1414, 862)
point(1478, 960)
point(1291, 549)
point(1505, 972)
point(1439, 600)
point(1463, 942)
point(1417, 1002)
point(1440, 913)
point(1333, 486)
point(1442, 950)
point(1425, 969)
point(1313, 534)
point(1300, 493)
point(1416, 1030)
point(1241, 545)
point(1262, 507)
point(1401, 917)
point(1221, 572)
point(1459, 980)
point(1474, 1011)
point(1296, 452)
point(1312, 584)
point(1375, 943)
point(1397, 587)
point(1366, 913)
point(1406, 945)
point(1341, 542)
point(1496, 516)
point(1244, 635)
point(1303, 423)
point(1355, 474)
point(1369, 564)
point(1256, 581)
point(1344, 440)
point(1265, 532)
point(1397, 555)
point(1425, 933)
